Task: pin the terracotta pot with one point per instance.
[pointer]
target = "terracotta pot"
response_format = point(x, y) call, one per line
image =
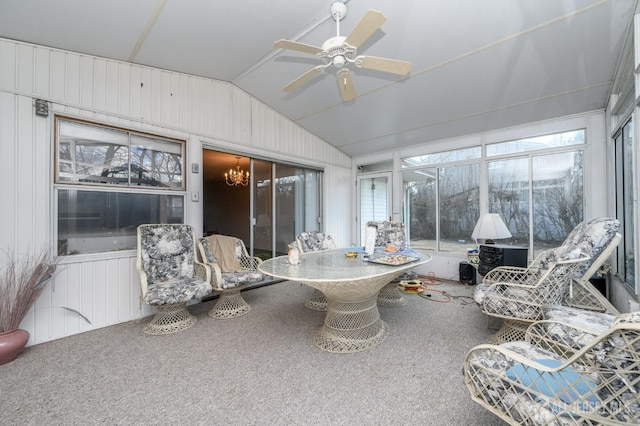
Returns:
point(11, 344)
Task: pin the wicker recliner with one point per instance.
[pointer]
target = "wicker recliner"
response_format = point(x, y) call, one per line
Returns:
point(234, 275)
point(170, 275)
point(390, 232)
point(536, 382)
point(519, 295)
point(314, 241)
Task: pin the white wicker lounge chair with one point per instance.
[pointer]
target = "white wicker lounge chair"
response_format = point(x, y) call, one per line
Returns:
point(230, 276)
point(170, 275)
point(535, 382)
point(313, 241)
point(518, 295)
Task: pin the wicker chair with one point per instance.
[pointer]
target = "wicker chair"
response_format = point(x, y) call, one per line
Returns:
point(389, 232)
point(170, 275)
point(313, 241)
point(520, 302)
point(535, 382)
point(518, 295)
point(230, 282)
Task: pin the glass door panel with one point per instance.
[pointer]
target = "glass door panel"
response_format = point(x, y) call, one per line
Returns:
point(297, 205)
point(374, 199)
point(262, 209)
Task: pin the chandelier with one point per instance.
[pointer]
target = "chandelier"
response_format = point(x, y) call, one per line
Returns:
point(237, 177)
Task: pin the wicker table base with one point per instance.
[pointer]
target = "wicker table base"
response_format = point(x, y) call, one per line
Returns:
point(351, 326)
point(390, 296)
point(317, 301)
point(350, 286)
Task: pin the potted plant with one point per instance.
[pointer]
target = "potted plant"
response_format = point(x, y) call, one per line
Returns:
point(22, 280)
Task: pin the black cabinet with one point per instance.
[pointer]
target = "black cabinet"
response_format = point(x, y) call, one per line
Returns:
point(494, 255)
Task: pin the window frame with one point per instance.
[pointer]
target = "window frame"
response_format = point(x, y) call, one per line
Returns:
point(485, 159)
point(161, 192)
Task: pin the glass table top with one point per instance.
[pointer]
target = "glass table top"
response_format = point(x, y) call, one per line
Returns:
point(333, 265)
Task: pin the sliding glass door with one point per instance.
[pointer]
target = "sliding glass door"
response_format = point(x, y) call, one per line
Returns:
point(279, 202)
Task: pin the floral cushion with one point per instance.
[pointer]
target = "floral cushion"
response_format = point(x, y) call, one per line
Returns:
point(314, 241)
point(235, 279)
point(170, 292)
point(167, 256)
point(619, 355)
point(389, 233)
point(167, 252)
point(566, 318)
point(592, 237)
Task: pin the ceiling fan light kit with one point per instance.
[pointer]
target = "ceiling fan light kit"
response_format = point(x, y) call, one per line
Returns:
point(340, 52)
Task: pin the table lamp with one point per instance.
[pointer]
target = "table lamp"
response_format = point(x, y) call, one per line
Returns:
point(490, 227)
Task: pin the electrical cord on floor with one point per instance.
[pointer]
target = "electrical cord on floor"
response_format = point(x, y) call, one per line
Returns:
point(429, 281)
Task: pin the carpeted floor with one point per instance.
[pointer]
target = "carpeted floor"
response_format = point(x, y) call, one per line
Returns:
point(259, 369)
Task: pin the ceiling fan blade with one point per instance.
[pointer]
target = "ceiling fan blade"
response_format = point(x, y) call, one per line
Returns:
point(346, 85)
point(368, 25)
point(294, 45)
point(383, 64)
point(303, 78)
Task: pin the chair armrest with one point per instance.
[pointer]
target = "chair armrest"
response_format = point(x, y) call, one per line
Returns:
point(203, 270)
point(144, 283)
point(216, 276)
point(509, 290)
point(255, 261)
point(250, 262)
point(583, 295)
point(512, 274)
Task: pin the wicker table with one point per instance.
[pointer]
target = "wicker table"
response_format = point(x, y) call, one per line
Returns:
point(351, 286)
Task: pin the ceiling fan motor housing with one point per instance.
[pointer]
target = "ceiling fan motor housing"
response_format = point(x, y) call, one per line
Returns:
point(338, 52)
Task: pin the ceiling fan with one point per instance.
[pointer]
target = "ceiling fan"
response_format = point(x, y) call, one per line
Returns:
point(340, 51)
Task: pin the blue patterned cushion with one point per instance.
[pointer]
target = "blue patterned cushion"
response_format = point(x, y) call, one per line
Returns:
point(565, 384)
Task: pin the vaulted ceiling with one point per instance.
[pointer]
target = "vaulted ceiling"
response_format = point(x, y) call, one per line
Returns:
point(476, 65)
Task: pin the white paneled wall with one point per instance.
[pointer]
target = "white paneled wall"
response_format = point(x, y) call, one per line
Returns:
point(105, 288)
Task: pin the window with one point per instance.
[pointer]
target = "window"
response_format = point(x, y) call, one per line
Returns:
point(624, 203)
point(535, 184)
point(443, 206)
point(553, 183)
point(108, 181)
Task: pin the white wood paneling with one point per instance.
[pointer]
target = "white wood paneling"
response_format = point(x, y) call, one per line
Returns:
point(105, 288)
point(8, 172)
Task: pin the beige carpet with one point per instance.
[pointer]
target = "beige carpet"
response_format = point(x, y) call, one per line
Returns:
point(259, 369)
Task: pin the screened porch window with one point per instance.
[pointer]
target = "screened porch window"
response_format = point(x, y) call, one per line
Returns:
point(110, 180)
point(535, 184)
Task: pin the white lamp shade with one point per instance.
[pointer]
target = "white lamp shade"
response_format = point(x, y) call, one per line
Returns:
point(490, 227)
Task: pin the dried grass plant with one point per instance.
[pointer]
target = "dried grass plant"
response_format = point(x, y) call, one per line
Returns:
point(22, 280)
